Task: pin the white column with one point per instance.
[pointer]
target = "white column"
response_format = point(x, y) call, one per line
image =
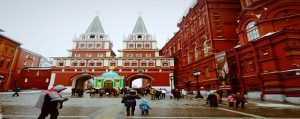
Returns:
point(52, 79)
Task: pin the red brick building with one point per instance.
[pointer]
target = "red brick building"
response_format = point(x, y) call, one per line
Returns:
point(9, 50)
point(92, 55)
point(14, 67)
point(260, 42)
point(28, 72)
point(207, 28)
point(266, 63)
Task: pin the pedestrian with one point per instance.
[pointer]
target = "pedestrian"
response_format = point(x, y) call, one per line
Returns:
point(16, 90)
point(130, 101)
point(220, 92)
point(171, 95)
point(218, 96)
point(50, 101)
point(240, 99)
point(144, 106)
point(73, 91)
point(177, 94)
point(230, 100)
point(212, 100)
point(183, 93)
point(163, 91)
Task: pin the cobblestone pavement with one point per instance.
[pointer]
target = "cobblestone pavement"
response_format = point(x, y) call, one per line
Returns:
point(96, 107)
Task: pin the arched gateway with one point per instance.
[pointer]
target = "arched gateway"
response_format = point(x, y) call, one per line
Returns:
point(92, 54)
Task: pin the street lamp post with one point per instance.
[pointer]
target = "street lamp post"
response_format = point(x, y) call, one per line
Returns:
point(171, 79)
point(197, 74)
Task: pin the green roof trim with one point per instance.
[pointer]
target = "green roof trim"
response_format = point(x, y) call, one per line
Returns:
point(139, 26)
point(95, 26)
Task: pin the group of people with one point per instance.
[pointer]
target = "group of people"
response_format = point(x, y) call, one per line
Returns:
point(129, 101)
point(214, 98)
point(237, 99)
point(50, 100)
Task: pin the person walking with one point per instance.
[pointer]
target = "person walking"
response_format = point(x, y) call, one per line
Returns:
point(144, 106)
point(50, 101)
point(16, 90)
point(240, 99)
point(212, 99)
point(230, 100)
point(130, 101)
point(73, 91)
point(183, 93)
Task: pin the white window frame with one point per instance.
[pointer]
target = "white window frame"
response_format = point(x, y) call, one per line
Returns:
point(252, 31)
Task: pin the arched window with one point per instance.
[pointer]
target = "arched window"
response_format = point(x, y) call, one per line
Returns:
point(252, 32)
point(196, 53)
point(188, 58)
point(205, 48)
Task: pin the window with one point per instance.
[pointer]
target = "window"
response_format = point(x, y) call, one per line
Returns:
point(23, 63)
point(205, 48)
point(133, 64)
point(148, 55)
point(147, 46)
point(207, 72)
point(139, 36)
point(138, 55)
point(88, 55)
point(1, 63)
point(246, 2)
point(31, 64)
point(92, 64)
point(129, 55)
point(82, 64)
point(101, 36)
point(7, 65)
point(165, 64)
point(196, 53)
point(60, 64)
point(131, 46)
point(252, 31)
point(100, 55)
point(144, 64)
point(188, 58)
point(92, 36)
point(74, 64)
point(77, 55)
point(99, 64)
point(151, 64)
point(127, 64)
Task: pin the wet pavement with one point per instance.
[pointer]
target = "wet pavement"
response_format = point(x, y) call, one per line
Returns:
point(105, 107)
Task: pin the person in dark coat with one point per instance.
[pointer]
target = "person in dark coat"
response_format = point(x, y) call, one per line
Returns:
point(16, 90)
point(130, 101)
point(212, 99)
point(240, 99)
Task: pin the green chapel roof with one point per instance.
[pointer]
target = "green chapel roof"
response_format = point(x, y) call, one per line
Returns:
point(139, 26)
point(95, 26)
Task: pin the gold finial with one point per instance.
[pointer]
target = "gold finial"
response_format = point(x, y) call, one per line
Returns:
point(140, 13)
point(111, 68)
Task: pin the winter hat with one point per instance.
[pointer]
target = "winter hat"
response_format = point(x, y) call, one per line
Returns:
point(59, 87)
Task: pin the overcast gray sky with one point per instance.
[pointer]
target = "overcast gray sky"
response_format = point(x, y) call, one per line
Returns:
point(47, 27)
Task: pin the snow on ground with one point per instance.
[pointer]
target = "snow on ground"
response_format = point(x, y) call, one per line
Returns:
point(276, 105)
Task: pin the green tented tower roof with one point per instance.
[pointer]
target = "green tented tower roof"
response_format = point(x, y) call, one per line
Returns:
point(95, 26)
point(139, 26)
